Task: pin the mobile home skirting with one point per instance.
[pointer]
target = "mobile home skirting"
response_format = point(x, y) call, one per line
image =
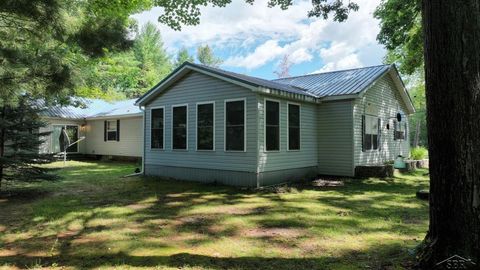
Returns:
point(232, 178)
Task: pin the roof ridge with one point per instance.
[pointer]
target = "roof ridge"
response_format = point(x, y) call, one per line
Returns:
point(328, 72)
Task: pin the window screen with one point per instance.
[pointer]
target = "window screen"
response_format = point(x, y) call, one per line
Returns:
point(179, 127)
point(205, 126)
point(272, 125)
point(157, 129)
point(293, 127)
point(235, 125)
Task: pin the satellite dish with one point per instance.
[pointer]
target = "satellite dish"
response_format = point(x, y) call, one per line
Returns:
point(399, 117)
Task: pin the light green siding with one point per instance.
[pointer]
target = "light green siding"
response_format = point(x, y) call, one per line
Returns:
point(196, 87)
point(384, 96)
point(131, 138)
point(335, 142)
point(284, 159)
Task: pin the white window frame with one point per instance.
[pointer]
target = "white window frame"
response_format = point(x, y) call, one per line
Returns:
point(244, 124)
point(196, 126)
point(116, 130)
point(150, 129)
point(265, 124)
point(299, 127)
point(171, 127)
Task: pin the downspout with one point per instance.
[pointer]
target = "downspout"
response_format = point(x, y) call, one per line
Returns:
point(143, 146)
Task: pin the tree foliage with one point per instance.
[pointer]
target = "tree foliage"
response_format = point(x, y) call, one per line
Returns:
point(206, 56)
point(20, 140)
point(401, 33)
point(177, 13)
point(182, 57)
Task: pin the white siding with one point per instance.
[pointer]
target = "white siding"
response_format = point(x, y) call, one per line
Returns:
point(385, 97)
point(131, 138)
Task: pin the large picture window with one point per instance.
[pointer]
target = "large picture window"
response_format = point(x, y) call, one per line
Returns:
point(179, 127)
point(272, 125)
point(235, 125)
point(157, 130)
point(293, 127)
point(205, 126)
point(371, 130)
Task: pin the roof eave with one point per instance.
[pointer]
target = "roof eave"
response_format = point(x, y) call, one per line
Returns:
point(285, 94)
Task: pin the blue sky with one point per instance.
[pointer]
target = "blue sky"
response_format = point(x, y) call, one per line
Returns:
point(252, 39)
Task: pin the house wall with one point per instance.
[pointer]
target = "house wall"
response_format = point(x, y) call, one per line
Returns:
point(131, 138)
point(335, 142)
point(385, 97)
point(46, 147)
point(234, 168)
point(284, 165)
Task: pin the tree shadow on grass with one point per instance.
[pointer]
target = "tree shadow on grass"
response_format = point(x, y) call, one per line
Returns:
point(380, 257)
point(164, 215)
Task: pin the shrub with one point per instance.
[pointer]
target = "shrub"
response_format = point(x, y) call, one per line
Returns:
point(419, 153)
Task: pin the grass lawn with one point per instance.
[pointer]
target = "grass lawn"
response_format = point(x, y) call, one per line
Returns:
point(93, 218)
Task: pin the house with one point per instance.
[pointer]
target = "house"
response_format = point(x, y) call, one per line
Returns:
point(210, 125)
point(109, 129)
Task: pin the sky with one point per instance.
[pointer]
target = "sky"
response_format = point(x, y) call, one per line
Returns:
point(253, 39)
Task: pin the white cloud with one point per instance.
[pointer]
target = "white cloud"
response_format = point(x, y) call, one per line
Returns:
point(255, 35)
point(262, 54)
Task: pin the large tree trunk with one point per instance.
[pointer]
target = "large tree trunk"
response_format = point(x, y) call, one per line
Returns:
point(452, 74)
point(2, 141)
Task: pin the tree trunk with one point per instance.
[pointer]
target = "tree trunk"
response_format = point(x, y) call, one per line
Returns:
point(417, 133)
point(452, 74)
point(2, 141)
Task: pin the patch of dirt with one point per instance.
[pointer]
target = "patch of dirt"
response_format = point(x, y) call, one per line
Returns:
point(328, 183)
point(139, 206)
point(68, 234)
point(274, 232)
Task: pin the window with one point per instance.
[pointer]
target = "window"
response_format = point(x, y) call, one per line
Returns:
point(205, 126)
point(112, 130)
point(293, 127)
point(235, 125)
point(157, 128)
point(179, 127)
point(272, 125)
point(371, 132)
point(400, 130)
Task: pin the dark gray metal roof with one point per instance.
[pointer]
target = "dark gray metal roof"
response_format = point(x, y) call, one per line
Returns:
point(336, 83)
point(92, 108)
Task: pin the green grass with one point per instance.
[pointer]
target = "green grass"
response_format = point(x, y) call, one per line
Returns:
point(94, 218)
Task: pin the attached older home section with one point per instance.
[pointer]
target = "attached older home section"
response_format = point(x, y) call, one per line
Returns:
point(113, 129)
point(210, 125)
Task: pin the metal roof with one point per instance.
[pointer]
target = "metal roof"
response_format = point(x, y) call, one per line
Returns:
point(92, 108)
point(255, 81)
point(336, 83)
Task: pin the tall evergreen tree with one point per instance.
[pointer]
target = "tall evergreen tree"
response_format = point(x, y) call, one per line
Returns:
point(206, 56)
point(182, 57)
point(20, 140)
point(150, 52)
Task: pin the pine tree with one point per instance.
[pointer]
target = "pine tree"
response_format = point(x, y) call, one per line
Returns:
point(206, 56)
point(20, 140)
point(182, 57)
